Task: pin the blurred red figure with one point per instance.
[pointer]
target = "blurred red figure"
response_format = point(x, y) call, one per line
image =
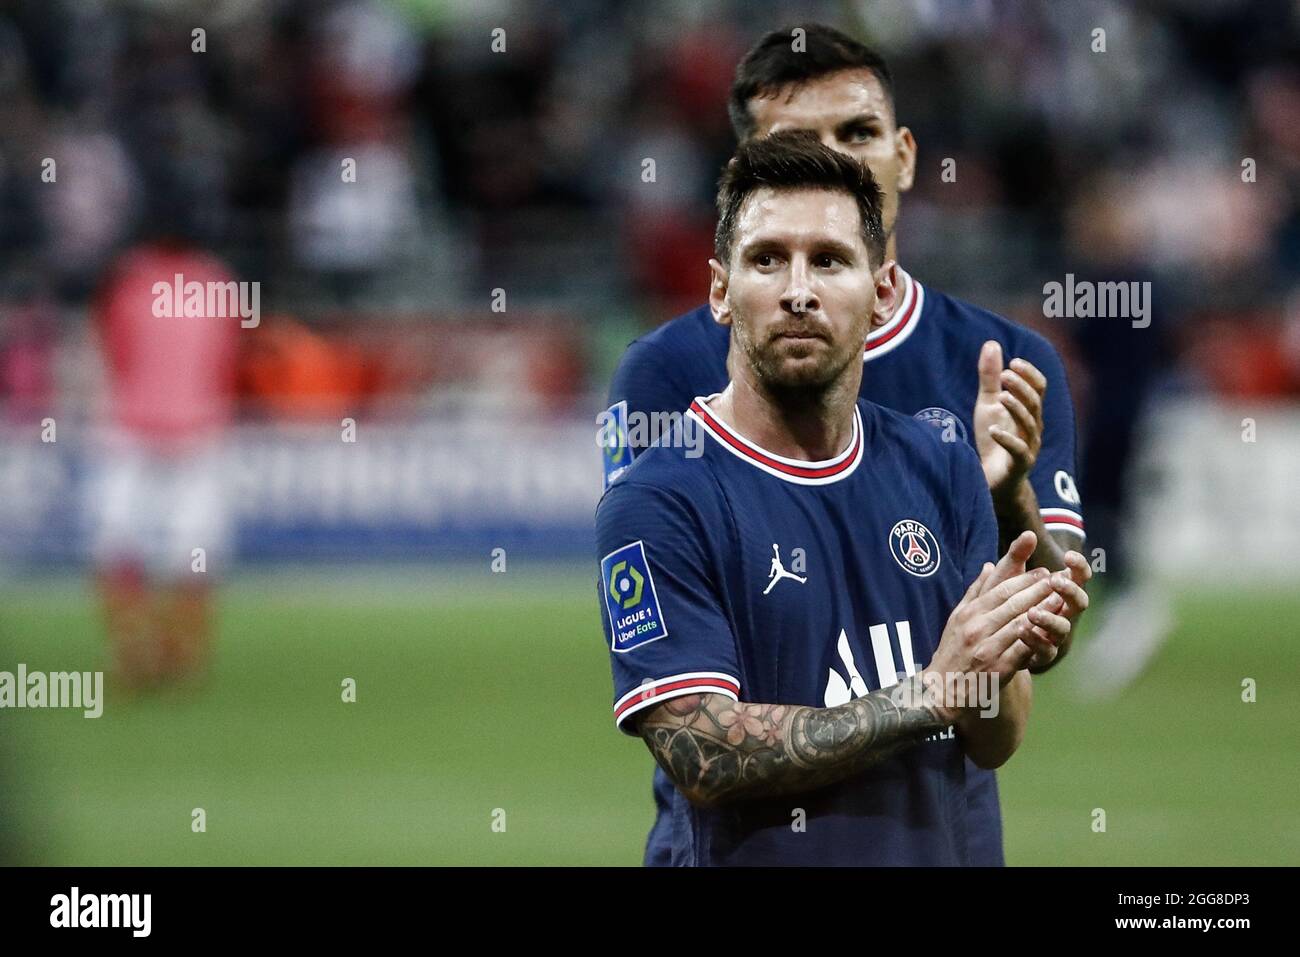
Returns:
point(159, 495)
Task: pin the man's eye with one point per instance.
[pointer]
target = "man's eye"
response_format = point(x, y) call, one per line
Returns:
point(826, 261)
point(764, 260)
point(861, 134)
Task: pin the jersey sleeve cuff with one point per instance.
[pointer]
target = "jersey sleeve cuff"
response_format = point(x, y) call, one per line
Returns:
point(674, 686)
point(1063, 520)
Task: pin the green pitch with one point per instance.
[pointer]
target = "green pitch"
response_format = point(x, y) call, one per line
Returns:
point(484, 699)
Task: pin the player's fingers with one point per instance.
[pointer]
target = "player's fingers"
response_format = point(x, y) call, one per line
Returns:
point(1071, 592)
point(990, 367)
point(1043, 638)
point(1057, 627)
point(1014, 444)
point(1079, 568)
point(1037, 582)
point(1014, 383)
point(1017, 554)
point(1053, 603)
point(995, 595)
point(1013, 562)
point(1024, 418)
point(999, 593)
point(1016, 604)
point(1037, 637)
point(1016, 658)
point(1031, 374)
point(977, 585)
point(1041, 646)
point(1022, 548)
point(1042, 655)
point(995, 648)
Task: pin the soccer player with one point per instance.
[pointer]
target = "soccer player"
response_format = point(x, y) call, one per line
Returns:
point(778, 605)
point(932, 356)
point(158, 492)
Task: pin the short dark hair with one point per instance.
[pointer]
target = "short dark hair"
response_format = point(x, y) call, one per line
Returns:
point(796, 159)
point(772, 64)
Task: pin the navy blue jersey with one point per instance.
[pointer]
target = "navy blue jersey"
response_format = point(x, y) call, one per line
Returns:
point(923, 362)
point(728, 569)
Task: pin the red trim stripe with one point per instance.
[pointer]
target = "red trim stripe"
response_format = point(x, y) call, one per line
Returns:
point(1063, 520)
point(751, 452)
point(662, 690)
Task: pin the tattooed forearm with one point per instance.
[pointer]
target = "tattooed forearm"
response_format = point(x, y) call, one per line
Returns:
point(717, 750)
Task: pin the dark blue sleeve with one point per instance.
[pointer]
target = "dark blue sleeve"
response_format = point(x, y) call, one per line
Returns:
point(980, 525)
point(647, 381)
point(1053, 477)
point(660, 602)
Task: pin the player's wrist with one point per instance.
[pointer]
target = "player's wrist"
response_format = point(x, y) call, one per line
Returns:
point(1015, 501)
point(931, 684)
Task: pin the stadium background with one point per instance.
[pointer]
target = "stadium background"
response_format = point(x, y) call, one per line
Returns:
point(520, 171)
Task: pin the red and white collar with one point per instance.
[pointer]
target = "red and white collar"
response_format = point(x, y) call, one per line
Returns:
point(907, 314)
point(791, 470)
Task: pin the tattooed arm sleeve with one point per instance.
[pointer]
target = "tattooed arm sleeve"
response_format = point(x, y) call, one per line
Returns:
point(717, 750)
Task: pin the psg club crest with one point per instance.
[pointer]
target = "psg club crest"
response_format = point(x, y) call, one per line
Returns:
point(944, 421)
point(915, 548)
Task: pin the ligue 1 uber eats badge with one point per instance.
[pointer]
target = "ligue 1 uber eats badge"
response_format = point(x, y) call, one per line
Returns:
point(613, 442)
point(630, 598)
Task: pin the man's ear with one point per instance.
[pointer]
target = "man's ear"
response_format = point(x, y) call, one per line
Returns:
point(886, 278)
point(905, 146)
point(718, 293)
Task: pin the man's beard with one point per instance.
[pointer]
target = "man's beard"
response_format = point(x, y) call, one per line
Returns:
point(777, 372)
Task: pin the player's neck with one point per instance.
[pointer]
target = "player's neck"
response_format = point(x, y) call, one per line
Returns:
point(806, 425)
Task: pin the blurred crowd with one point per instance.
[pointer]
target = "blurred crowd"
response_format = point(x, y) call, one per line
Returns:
point(499, 231)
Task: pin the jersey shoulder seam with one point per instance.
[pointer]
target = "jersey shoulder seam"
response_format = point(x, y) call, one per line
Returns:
point(1001, 321)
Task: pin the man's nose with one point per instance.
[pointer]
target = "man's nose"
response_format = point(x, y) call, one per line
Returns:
point(799, 295)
